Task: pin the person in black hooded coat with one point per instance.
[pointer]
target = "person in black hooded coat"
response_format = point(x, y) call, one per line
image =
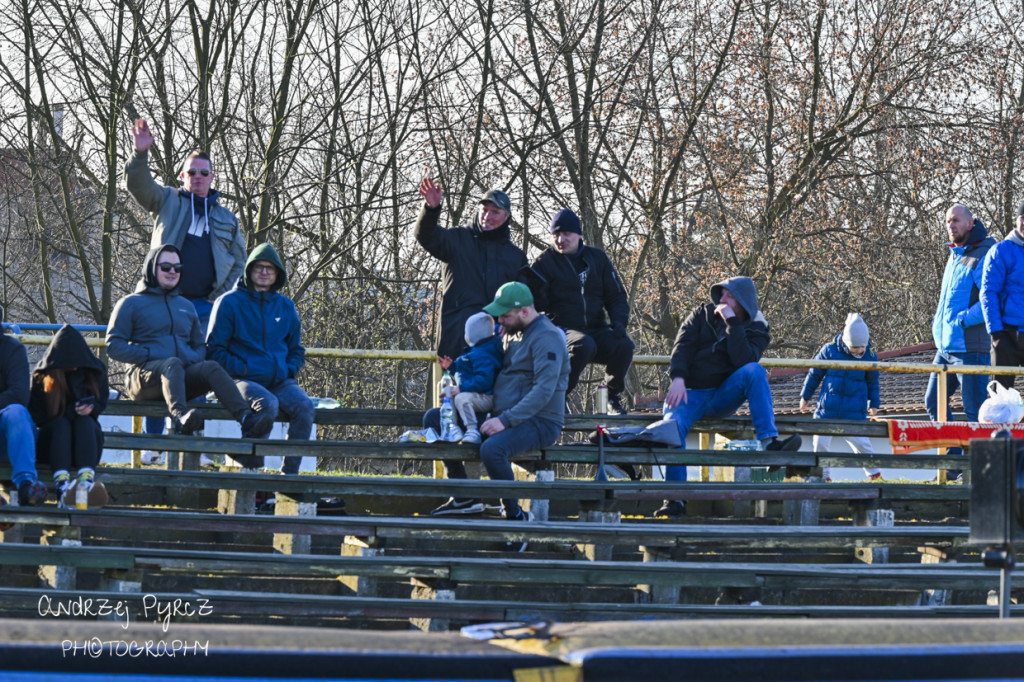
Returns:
point(69, 392)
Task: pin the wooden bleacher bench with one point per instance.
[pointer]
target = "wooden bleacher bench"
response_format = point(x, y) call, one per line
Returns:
point(629, 535)
point(737, 426)
point(512, 569)
point(230, 604)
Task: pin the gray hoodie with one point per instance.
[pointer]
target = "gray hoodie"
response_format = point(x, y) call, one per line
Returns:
point(154, 323)
point(534, 375)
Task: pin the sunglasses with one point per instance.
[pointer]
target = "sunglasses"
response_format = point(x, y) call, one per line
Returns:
point(205, 172)
point(167, 267)
point(263, 268)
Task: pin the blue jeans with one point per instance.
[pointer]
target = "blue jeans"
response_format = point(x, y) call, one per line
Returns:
point(497, 450)
point(973, 387)
point(286, 398)
point(18, 443)
point(748, 383)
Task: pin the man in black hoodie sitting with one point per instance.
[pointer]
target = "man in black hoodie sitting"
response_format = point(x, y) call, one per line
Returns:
point(715, 369)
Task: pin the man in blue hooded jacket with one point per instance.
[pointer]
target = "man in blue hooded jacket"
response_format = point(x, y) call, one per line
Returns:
point(957, 328)
point(256, 336)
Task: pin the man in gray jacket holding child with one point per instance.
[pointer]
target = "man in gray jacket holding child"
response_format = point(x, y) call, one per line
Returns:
point(529, 395)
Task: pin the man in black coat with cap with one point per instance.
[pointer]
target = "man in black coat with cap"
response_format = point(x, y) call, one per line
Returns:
point(476, 259)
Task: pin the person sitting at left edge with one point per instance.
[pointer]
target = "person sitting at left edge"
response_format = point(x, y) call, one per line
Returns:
point(17, 434)
point(69, 391)
point(714, 370)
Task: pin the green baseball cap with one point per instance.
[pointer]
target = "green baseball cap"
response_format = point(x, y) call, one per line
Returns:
point(510, 295)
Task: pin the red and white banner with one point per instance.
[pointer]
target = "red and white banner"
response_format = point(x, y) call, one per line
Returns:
point(907, 436)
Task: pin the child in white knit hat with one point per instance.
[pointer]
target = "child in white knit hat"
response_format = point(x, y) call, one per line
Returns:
point(474, 372)
point(845, 393)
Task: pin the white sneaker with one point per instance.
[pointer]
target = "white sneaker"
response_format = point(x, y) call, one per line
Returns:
point(151, 457)
point(456, 434)
point(472, 437)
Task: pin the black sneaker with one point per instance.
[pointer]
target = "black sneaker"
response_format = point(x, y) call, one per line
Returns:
point(789, 444)
point(671, 508)
point(31, 493)
point(330, 506)
point(615, 405)
point(256, 424)
point(454, 506)
point(519, 545)
point(188, 423)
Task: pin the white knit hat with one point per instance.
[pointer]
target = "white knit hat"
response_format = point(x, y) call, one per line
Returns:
point(479, 327)
point(855, 333)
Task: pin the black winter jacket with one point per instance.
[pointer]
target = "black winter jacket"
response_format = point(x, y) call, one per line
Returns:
point(475, 263)
point(14, 380)
point(708, 349)
point(600, 301)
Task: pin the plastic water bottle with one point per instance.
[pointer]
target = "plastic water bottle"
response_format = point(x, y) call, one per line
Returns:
point(325, 403)
point(447, 418)
point(82, 493)
point(445, 383)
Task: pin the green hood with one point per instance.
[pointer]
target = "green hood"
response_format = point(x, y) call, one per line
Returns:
point(265, 252)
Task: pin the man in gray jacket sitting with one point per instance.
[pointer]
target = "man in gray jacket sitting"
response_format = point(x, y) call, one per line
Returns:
point(157, 333)
point(529, 395)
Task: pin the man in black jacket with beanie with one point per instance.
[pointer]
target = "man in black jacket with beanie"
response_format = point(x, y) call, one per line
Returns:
point(577, 287)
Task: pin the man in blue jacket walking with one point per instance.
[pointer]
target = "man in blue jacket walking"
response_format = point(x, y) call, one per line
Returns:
point(255, 335)
point(1002, 299)
point(960, 336)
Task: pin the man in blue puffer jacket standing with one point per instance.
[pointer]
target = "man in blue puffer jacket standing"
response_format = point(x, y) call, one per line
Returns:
point(845, 393)
point(960, 338)
point(255, 335)
point(1002, 299)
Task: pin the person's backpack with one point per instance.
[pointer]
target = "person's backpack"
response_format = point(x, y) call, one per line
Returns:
point(663, 433)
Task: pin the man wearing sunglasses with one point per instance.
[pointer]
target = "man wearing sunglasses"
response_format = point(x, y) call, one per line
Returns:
point(256, 336)
point(190, 218)
point(155, 331)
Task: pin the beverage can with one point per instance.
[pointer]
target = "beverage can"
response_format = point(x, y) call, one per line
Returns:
point(743, 445)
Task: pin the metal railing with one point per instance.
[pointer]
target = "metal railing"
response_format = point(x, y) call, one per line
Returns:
point(768, 363)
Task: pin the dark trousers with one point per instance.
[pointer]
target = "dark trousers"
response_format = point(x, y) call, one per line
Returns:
point(599, 345)
point(171, 380)
point(497, 451)
point(1008, 351)
point(70, 444)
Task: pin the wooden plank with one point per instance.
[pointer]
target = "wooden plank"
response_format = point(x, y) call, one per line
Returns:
point(483, 529)
point(233, 603)
point(661, 490)
point(119, 440)
point(21, 554)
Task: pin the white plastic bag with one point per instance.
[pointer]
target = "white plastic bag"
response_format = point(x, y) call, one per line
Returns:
point(1003, 405)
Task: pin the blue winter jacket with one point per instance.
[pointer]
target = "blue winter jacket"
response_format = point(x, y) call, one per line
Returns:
point(478, 365)
point(256, 335)
point(845, 393)
point(1002, 284)
point(957, 325)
